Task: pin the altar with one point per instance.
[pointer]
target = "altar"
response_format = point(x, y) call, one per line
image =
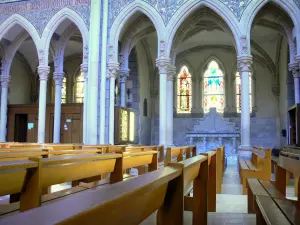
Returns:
point(213, 131)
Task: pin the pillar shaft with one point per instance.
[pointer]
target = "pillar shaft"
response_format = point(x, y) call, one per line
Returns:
point(84, 70)
point(3, 116)
point(58, 78)
point(43, 72)
point(170, 105)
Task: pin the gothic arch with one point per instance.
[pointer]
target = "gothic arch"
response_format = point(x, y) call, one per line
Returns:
point(55, 21)
point(203, 67)
point(188, 65)
point(122, 19)
point(289, 7)
point(184, 11)
point(17, 19)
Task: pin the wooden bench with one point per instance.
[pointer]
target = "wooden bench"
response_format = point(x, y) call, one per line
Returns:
point(220, 157)
point(127, 203)
point(195, 175)
point(177, 154)
point(268, 199)
point(259, 166)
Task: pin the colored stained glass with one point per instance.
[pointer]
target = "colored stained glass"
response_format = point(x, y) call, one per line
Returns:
point(238, 91)
point(213, 88)
point(184, 91)
point(124, 125)
point(80, 88)
point(64, 91)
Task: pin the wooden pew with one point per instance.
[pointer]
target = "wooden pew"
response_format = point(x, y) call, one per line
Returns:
point(258, 167)
point(180, 153)
point(195, 175)
point(220, 155)
point(129, 202)
point(268, 199)
point(30, 177)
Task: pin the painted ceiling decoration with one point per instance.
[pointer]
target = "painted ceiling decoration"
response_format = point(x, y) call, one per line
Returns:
point(40, 12)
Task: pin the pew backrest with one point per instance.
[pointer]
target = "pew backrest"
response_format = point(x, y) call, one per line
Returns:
point(179, 153)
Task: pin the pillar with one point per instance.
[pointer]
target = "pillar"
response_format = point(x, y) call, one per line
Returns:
point(294, 67)
point(58, 78)
point(244, 66)
point(43, 72)
point(124, 74)
point(170, 104)
point(94, 62)
point(3, 117)
point(113, 68)
point(84, 70)
point(163, 66)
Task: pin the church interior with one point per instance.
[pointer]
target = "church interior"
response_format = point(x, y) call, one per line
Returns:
point(150, 112)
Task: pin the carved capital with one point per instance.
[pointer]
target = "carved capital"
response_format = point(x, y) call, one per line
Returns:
point(244, 63)
point(123, 75)
point(5, 79)
point(171, 73)
point(122, 61)
point(112, 69)
point(163, 65)
point(58, 78)
point(294, 68)
point(43, 72)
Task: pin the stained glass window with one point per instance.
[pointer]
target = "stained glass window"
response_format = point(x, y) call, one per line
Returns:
point(213, 88)
point(184, 91)
point(64, 91)
point(238, 91)
point(80, 88)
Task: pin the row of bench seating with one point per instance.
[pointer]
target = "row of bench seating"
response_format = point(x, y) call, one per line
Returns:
point(188, 167)
point(268, 199)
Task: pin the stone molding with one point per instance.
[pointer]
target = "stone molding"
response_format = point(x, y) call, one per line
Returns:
point(294, 68)
point(43, 72)
point(84, 68)
point(112, 69)
point(123, 75)
point(58, 78)
point(171, 73)
point(163, 65)
point(244, 63)
point(5, 80)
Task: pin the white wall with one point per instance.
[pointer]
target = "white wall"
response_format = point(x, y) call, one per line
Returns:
point(20, 85)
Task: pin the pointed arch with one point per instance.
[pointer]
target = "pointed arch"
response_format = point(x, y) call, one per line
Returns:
point(190, 6)
point(289, 7)
point(125, 15)
point(56, 20)
point(17, 19)
point(213, 85)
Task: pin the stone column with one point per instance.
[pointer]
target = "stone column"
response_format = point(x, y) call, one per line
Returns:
point(43, 72)
point(111, 75)
point(94, 62)
point(294, 67)
point(153, 93)
point(170, 104)
point(244, 66)
point(84, 70)
point(163, 66)
point(124, 74)
point(58, 78)
point(4, 96)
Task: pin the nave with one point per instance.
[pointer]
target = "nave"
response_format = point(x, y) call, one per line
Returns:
point(76, 184)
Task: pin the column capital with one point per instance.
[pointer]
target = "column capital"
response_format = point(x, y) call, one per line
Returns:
point(163, 65)
point(294, 68)
point(244, 63)
point(58, 78)
point(5, 79)
point(298, 59)
point(43, 72)
point(171, 73)
point(112, 69)
point(123, 75)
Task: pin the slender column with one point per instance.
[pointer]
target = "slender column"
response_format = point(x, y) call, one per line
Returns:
point(43, 72)
point(244, 64)
point(170, 104)
point(84, 70)
point(111, 75)
point(124, 74)
point(163, 66)
point(58, 78)
point(94, 62)
point(3, 117)
point(294, 67)
point(154, 93)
